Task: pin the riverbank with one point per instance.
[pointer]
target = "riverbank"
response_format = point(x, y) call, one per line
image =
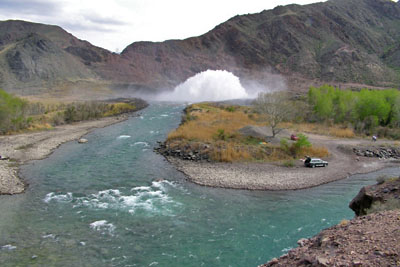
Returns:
point(274, 176)
point(22, 148)
point(359, 242)
point(370, 239)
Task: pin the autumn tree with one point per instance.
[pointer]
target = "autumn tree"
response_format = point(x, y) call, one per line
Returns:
point(276, 107)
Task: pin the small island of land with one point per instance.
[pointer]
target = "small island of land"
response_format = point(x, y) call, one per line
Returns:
point(229, 146)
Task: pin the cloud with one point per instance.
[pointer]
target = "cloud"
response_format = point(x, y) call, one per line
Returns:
point(114, 24)
point(84, 27)
point(96, 19)
point(28, 7)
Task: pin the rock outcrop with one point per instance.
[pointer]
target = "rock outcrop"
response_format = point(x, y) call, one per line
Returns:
point(372, 240)
point(384, 195)
point(367, 240)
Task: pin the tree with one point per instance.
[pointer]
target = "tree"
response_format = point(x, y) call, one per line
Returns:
point(277, 108)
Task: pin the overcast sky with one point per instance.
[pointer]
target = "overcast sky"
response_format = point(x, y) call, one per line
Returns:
point(114, 24)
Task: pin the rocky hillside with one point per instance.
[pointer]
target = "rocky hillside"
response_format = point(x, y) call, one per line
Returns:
point(344, 42)
point(338, 41)
point(36, 57)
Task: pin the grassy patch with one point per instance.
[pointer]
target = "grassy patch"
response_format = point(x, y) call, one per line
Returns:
point(119, 108)
point(317, 128)
point(210, 121)
point(217, 126)
point(20, 115)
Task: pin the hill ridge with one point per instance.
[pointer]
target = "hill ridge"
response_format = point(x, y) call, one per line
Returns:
point(342, 42)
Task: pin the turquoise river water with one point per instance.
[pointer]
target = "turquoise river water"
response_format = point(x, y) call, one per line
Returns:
point(102, 204)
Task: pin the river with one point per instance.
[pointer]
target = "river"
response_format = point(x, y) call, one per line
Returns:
point(114, 202)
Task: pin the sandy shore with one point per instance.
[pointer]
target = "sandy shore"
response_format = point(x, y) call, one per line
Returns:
point(271, 176)
point(22, 148)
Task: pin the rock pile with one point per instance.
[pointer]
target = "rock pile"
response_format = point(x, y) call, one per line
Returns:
point(186, 153)
point(378, 152)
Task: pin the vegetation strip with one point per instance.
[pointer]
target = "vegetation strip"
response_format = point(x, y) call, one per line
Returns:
point(17, 114)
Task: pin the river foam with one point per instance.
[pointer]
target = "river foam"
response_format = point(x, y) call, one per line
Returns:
point(152, 199)
point(8, 247)
point(103, 226)
point(123, 136)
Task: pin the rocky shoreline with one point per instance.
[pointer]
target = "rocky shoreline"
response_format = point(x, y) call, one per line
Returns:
point(22, 148)
point(368, 240)
point(199, 169)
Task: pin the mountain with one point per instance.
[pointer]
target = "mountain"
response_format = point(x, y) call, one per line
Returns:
point(342, 42)
point(338, 41)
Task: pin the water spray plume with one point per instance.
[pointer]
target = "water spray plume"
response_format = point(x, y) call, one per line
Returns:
point(210, 85)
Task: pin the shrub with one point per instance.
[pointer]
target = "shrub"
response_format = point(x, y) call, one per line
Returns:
point(288, 163)
point(285, 145)
point(230, 109)
point(300, 144)
point(221, 134)
point(13, 112)
point(381, 179)
point(389, 204)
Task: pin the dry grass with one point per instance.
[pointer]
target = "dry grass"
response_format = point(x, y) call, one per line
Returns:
point(119, 108)
point(335, 130)
point(315, 151)
point(217, 126)
point(34, 127)
point(229, 152)
point(209, 121)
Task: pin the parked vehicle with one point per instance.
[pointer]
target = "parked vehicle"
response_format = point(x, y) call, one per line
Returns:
point(294, 137)
point(314, 162)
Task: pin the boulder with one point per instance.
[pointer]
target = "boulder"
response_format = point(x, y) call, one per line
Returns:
point(376, 196)
point(82, 141)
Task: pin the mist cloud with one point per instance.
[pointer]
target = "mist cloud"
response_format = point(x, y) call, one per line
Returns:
point(211, 85)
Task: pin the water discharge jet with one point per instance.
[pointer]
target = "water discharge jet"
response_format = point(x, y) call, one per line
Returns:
point(210, 85)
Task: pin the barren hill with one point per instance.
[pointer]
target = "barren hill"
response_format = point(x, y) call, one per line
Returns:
point(343, 42)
